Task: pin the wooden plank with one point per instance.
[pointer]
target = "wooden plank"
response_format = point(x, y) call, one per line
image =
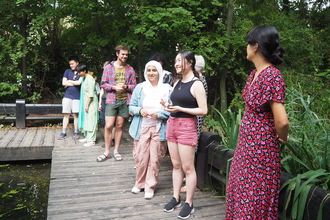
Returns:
point(25, 153)
point(15, 142)
point(3, 133)
point(60, 142)
point(5, 140)
point(20, 113)
point(7, 108)
point(8, 119)
point(44, 117)
point(39, 138)
point(70, 141)
point(49, 138)
point(28, 138)
point(43, 108)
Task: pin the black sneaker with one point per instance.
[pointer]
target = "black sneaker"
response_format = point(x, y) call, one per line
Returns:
point(76, 136)
point(62, 136)
point(169, 207)
point(186, 211)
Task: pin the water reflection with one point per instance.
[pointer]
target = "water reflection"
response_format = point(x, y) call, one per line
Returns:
point(24, 190)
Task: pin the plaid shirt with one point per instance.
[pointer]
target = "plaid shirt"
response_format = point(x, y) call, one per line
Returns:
point(109, 80)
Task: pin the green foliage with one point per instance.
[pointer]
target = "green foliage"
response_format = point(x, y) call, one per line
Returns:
point(306, 156)
point(298, 191)
point(34, 98)
point(309, 136)
point(227, 128)
point(92, 29)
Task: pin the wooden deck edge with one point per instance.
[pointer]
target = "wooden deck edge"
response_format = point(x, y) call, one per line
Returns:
point(26, 153)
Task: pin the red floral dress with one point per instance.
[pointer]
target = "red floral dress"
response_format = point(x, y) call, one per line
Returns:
point(254, 177)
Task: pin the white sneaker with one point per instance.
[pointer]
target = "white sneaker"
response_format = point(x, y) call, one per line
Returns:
point(89, 144)
point(135, 190)
point(83, 140)
point(148, 195)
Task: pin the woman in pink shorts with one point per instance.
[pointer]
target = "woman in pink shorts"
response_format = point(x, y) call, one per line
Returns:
point(188, 100)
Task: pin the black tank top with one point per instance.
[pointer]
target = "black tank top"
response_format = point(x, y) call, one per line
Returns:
point(181, 96)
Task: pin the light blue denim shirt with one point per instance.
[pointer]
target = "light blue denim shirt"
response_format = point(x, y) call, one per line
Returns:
point(135, 106)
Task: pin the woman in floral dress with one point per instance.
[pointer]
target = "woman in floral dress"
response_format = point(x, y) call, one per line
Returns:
point(254, 178)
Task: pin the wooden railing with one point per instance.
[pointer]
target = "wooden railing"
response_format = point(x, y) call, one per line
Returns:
point(213, 162)
point(20, 109)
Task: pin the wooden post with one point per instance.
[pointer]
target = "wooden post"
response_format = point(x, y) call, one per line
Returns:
point(20, 113)
point(201, 160)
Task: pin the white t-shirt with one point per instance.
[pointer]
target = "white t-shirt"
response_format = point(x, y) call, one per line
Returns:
point(150, 105)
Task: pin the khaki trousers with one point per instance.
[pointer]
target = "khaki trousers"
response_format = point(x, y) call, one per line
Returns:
point(148, 153)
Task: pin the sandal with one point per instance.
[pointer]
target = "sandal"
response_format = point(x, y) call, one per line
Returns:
point(103, 158)
point(118, 157)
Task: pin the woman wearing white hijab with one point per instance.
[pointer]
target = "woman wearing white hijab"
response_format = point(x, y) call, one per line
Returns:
point(148, 127)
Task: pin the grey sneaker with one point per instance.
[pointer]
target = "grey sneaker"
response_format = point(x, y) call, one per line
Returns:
point(169, 207)
point(76, 136)
point(186, 211)
point(62, 136)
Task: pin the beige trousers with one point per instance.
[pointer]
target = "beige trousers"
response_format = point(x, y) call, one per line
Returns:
point(148, 153)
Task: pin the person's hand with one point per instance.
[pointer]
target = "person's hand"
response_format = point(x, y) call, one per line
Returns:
point(120, 88)
point(86, 109)
point(153, 115)
point(172, 109)
point(144, 112)
point(100, 107)
point(164, 103)
point(281, 140)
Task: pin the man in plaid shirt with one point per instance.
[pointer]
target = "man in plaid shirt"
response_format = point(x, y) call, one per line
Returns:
point(118, 81)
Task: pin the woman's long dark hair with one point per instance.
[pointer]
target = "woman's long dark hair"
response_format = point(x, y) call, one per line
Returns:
point(268, 41)
point(189, 57)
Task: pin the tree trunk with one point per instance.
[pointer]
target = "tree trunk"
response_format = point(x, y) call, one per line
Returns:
point(23, 64)
point(107, 56)
point(286, 7)
point(140, 54)
point(223, 75)
point(311, 13)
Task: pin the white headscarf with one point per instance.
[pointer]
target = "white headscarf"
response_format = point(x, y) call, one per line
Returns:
point(161, 89)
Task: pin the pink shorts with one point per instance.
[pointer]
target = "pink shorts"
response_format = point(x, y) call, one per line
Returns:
point(182, 130)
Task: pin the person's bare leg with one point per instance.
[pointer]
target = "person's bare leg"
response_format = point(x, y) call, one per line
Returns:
point(109, 123)
point(177, 174)
point(119, 133)
point(113, 132)
point(187, 155)
point(66, 120)
point(75, 120)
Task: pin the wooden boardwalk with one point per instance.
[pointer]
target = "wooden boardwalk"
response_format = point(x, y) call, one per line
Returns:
point(81, 188)
point(34, 143)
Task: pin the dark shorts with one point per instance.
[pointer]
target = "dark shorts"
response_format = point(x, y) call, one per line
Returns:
point(119, 109)
point(182, 130)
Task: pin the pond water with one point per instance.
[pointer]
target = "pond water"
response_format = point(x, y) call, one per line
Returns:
point(24, 190)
